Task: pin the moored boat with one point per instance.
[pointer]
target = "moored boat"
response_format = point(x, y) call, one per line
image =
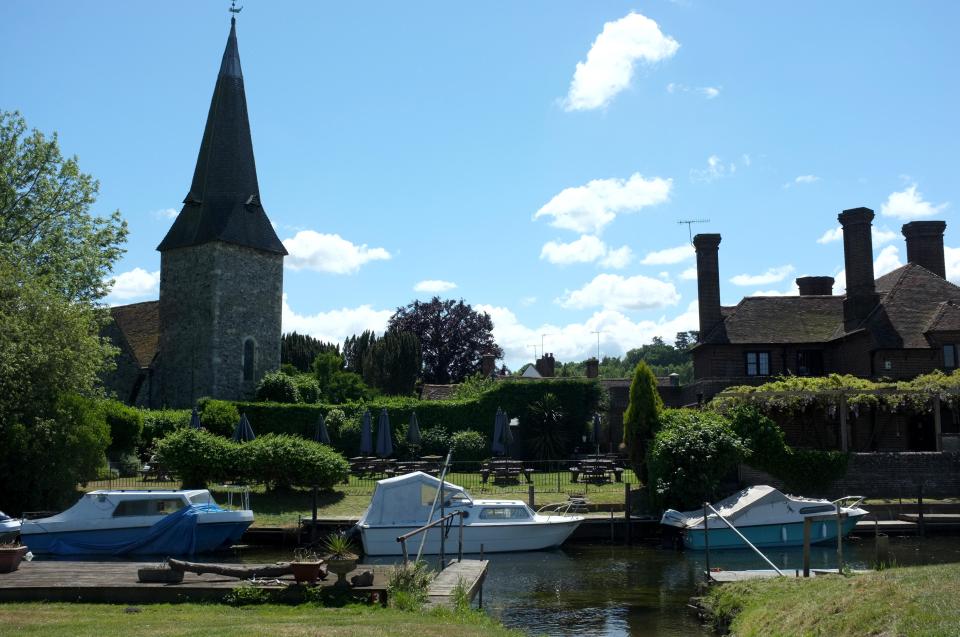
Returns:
point(9, 528)
point(766, 517)
point(404, 503)
point(162, 522)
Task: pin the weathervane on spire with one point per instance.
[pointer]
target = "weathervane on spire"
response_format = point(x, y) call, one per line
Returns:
point(233, 7)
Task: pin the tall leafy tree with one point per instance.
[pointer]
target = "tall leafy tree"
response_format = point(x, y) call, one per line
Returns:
point(55, 257)
point(299, 350)
point(355, 349)
point(641, 418)
point(453, 337)
point(336, 384)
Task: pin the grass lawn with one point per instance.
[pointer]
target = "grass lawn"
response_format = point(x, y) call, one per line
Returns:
point(210, 620)
point(919, 600)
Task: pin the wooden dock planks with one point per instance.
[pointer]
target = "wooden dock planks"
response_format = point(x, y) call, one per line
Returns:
point(470, 572)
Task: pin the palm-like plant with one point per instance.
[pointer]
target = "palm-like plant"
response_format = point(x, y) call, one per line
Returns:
point(545, 431)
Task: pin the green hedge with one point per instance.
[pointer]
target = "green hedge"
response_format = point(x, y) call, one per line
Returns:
point(157, 423)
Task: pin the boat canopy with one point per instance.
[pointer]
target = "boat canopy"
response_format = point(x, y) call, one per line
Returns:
point(406, 500)
point(756, 498)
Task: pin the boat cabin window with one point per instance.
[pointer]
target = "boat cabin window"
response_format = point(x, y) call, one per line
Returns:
point(147, 507)
point(428, 493)
point(820, 508)
point(504, 513)
point(202, 498)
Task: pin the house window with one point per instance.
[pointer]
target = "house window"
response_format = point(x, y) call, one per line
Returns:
point(249, 353)
point(810, 362)
point(949, 356)
point(758, 363)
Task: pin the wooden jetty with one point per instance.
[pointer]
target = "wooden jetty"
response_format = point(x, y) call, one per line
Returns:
point(724, 577)
point(118, 583)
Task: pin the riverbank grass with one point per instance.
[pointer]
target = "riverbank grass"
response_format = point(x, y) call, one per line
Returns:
point(212, 620)
point(920, 600)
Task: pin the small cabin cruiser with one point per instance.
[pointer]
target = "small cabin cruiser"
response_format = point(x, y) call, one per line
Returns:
point(163, 522)
point(9, 528)
point(404, 503)
point(766, 517)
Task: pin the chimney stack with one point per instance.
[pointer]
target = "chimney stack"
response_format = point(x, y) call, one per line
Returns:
point(815, 285)
point(593, 367)
point(858, 259)
point(546, 365)
point(708, 281)
point(488, 365)
point(925, 245)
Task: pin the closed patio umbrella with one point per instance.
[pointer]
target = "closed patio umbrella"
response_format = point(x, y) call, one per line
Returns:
point(321, 434)
point(195, 419)
point(507, 434)
point(413, 431)
point(496, 445)
point(243, 431)
point(366, 434)
point(596, 432)
point(384, 436)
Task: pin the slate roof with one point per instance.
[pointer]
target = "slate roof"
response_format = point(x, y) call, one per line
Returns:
point(913, 302)
point(139, 323)
point(224, 199)
point(437, 392)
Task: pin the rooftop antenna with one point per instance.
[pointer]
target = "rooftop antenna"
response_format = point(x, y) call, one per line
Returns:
point(690, 223)
point(598, 333)
point(534, 346)
point(233, 7)
point(543, 350)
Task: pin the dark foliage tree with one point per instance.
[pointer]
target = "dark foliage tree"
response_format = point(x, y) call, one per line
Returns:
point(299, 350)
point(453, 337)
point(355, 349)
point(336, 384)
point(392, 363)
point(641, 418)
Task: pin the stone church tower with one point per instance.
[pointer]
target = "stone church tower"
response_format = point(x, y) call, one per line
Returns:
point(221, 264)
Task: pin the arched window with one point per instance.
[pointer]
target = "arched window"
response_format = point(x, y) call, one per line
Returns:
point(249, 354)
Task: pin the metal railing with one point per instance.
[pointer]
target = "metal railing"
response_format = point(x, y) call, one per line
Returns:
point(443, 536)
point(706, 538)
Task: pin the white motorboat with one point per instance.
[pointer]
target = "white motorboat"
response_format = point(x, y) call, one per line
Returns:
point(404, 503)
point(162, 522)
point(766, 517)
point(9, 528)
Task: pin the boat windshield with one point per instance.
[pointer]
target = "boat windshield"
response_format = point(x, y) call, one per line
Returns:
point(821, 508)
point(202, 498)
point(504, 513)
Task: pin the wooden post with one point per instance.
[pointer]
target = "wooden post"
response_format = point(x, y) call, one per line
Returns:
point(460, 549)
point(706, 541)
point(806, 547)
point(839, 539)
point(531, 497)
point(937, 425)
point(921, 527)
point(626, 511)
point(844, 434)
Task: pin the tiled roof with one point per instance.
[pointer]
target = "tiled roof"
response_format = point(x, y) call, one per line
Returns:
point(911, 303)
point(437, 392)
point(946, 318)
point(224, 199)
point(779, 319)
point(140, 325)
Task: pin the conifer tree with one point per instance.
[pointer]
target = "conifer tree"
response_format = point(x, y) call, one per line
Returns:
point(641, 418)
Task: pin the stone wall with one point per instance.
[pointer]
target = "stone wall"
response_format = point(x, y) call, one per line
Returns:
point(885, 475)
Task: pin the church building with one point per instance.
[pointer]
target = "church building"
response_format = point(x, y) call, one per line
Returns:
point(216, 329)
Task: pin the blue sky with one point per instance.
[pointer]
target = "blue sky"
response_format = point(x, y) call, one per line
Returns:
point(536, 155)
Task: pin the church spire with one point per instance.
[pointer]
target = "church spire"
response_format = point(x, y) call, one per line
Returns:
point(223, 203)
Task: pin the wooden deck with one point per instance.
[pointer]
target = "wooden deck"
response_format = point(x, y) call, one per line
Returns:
point(470, 572)
point(724, 577)
point(117, 583)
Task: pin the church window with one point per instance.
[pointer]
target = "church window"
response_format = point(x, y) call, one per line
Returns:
point(249, 352)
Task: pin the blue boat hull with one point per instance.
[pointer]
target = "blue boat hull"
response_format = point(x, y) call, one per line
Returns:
point(208, 537)
point(768, 535)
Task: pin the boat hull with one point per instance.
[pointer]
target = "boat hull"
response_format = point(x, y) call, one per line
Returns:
point(768, 535)
point(486, 538)
point(208, 537)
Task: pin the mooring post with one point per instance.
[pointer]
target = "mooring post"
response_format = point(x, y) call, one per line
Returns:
point(839, 539)
point(627, 511)
point(706, 541)
point(612, 530)
point(403, 545)
point(806, 547)
point(531, 496)
point(920, 525)
point(460, 547)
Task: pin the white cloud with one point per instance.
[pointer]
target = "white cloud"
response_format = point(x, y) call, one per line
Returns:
point(793, 290)
point(773, 275)
point(434, 286)
point(612, 291)
point(806, 179)
point(951, 258)
point(690, 274)
point(909, 204)
point(715, 170)
point(587, 209)
point(336, 325)
point(311, 250)
point(134, 284)
point(577, 341)
point(881, 235)
point(586, 249)
point(887, 261)
point(611, 60)
point(527, 301)
point(166, 213)
point(708, 92)
point(669, 256)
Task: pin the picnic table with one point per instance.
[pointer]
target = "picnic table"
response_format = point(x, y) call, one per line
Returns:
point(505, 471)
point(596, 471)
point(409, 466)
point(370, 466)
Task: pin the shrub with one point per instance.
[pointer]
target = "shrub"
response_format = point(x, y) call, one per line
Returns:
point(434, 441)
point(307, 388)
point(218, 416)
point(198, 456)
point(280, 461)
point(408, 586)
point(469, 445)
point(641, 418)
point(126, 426)
point(157, 423)
point(127, 465)
point(278, 387)
point(545, 434)
point(347, 440)
point(691, 455)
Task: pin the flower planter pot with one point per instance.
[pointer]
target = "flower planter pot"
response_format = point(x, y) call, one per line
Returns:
point(10, 557)
point(159, 575)
point(305, 571)
point(341, 566)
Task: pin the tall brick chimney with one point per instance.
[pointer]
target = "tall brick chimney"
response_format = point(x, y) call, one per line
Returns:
point(593, 367)
point(546, 365)
point(925, 245)
point(708, 281)
point(815, 285)
point(858, 259)
point(488, 365)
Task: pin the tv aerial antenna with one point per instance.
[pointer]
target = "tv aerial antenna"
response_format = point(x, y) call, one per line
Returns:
point(690, 223)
